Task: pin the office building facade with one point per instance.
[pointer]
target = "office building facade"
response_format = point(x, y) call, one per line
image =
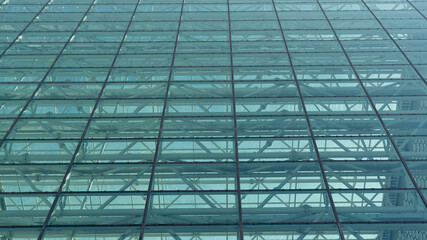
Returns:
point(213, 119)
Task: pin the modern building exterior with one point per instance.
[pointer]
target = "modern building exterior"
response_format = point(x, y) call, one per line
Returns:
point(213, 119)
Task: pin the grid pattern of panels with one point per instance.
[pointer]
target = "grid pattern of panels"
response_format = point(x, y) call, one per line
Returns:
point(213, 119)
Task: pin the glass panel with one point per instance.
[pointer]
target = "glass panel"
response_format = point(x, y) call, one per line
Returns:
point(16, 208)
point(98, 208)
point(367, 175)
point(194, 207)
point(116, 150)
point(275, 175)
point(356, 148)
point(378, 205)
point(194, 176)
point(301, 207)
point(108, 177)
point(276, 149)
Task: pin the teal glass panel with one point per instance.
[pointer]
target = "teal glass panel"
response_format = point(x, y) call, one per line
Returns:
point(207, 208)
point(302, 207)
point(115, 206)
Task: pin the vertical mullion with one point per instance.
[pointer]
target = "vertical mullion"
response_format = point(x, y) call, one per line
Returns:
point(323, 173)
point(416, 9)
point(70, 165)
point(236, 145)
point(375, 108)
point(159, 136)
point(395, 43)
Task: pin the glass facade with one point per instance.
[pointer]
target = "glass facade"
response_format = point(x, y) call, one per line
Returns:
point(213, 119)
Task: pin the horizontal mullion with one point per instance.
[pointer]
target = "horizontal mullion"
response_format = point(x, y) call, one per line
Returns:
point(222, 66)
point(209, 192)
point(116, 82)
point(293, 137)
point(219, 20)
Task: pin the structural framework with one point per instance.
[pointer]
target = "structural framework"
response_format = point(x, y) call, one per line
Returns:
point(213, 119)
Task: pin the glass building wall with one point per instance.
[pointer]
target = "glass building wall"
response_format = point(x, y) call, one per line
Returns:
point(213, 119)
